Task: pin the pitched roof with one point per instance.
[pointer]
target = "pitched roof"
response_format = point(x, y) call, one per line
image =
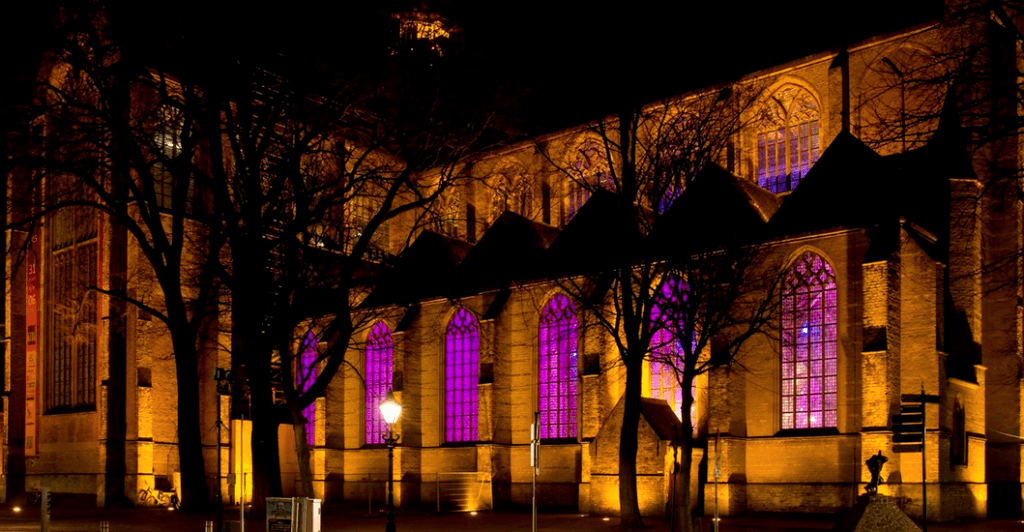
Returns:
point(716, 209)
point(605, 232)
point(423, 270)
point(513, 248)
point(849, 186)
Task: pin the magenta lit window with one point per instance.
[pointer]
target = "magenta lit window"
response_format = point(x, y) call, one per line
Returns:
point(667, 355)
point(306, 376)
point(462, 375)
point(379, 364)
point(558, 369)
point(809, 354)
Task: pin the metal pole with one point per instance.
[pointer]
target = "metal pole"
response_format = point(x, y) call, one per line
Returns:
point(220, 502)
point(390, 527)
point(924, 485)
point(718, 473)
point(535, 461)
point(241, 470)
point(44, 507)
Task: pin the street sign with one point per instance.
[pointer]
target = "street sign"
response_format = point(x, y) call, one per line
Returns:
point(908, 425)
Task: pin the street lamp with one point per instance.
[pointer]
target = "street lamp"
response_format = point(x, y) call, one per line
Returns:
point(390, 409)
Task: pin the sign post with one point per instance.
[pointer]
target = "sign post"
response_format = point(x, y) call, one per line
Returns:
point(908, 436)
point(535, 461)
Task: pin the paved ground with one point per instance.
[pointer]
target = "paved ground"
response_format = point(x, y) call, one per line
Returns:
point(347, 519)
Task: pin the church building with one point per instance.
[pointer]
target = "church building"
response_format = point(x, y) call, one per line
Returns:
point(898, 251)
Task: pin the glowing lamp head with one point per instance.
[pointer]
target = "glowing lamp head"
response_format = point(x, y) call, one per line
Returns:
point(390, 409)
point(16, 509)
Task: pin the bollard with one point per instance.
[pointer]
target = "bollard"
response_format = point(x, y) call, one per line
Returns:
point(209, 526)
point(104, 526)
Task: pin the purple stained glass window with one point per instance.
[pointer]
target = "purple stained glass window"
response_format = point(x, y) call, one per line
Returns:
point(558, 369)
point(667, 349)
point(462, 375)
point(306, 375)
point(379, 364)
point(809, 354)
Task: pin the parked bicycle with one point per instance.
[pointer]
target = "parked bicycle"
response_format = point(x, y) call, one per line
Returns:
point(152, 497)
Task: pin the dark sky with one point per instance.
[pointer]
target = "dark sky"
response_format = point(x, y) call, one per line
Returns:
point(572, 58)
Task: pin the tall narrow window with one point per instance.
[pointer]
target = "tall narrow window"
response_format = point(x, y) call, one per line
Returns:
point(667, 354)
point(379, 366)
point(587, 170)
point(809, 345)
point(462, 375)
point(306, 375)
point(788, 141)
point(958, 445)
point(513, 191)
point(73, 319)
point(558, 369)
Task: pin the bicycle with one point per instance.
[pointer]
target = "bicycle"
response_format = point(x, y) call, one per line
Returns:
point(151, 497)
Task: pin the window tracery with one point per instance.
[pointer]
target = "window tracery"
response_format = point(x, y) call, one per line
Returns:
point(788, 140)
point(462, 376)
point(809, 345)
point(558, 369)
point(588, 170)
point(378, 372)
point(513, 191)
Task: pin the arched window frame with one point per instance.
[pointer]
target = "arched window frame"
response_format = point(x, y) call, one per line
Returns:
point(667, 350)
point(378, 372)
point(558, 363)
point(588, 169)
point(462, 377)
point(788, 138)
point(810, 346)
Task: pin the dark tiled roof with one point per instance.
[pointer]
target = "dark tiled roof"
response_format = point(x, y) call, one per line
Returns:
point(717, 209)
point(423, 270)
point(661, 418)
point(604, 233)
point(512, 249)
point(849, 186)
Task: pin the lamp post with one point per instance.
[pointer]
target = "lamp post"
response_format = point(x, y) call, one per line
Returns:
point(390, 409)
point(220, 375)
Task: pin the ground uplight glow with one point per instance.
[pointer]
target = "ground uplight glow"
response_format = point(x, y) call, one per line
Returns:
point(16, 509)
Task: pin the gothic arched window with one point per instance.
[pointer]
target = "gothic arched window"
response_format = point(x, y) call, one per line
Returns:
point(809, 345)
point(667, 355)
point(587, 170)
point(461, 377)
point(446, 214)
point(306, 375)
point(558, 369)
point(788, 142)
point(513, 191)
point(379, 366)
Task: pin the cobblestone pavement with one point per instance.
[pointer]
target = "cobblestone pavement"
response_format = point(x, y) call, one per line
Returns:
point(347, 519)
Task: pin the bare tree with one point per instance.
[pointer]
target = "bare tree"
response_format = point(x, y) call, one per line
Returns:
point(648, 157)
point(272, 194)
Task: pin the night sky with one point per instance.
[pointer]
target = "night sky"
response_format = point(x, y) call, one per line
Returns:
point(569, 61)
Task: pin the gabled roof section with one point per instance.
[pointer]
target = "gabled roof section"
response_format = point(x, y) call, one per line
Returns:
point(423, 270)
point(661, 418)
point(604, 233)
point(849, 186)
point(715, 210)
point(512, 249)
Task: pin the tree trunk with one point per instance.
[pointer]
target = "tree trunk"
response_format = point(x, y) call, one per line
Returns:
point(195, 495)
point(302, 453)
point(266, 465)
point(629, 504)
point(684, 517)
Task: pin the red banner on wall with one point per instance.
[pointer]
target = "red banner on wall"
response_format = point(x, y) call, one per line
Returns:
point(31, 346)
